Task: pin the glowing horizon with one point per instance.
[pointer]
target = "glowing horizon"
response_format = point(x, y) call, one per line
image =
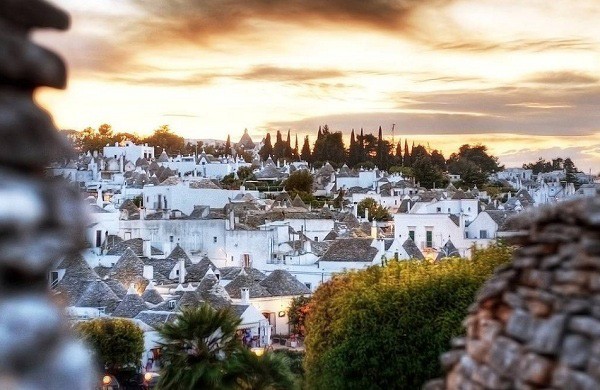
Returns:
point(517, 76)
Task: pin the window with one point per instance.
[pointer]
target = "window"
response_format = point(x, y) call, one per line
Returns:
point(448, 209)
point(483, 234)
point(98, 238)
point(316, 239)
point(170, 238)
point(308, 286)
point(127, 236)
point(172, 303)
point(429, 239)
point(411, 234)
point(53, 279)
point(102, 310)
point(439, 209)
point(215, 239)
point(246, 263)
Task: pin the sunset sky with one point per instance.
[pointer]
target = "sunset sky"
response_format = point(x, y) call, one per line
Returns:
point(521, 76)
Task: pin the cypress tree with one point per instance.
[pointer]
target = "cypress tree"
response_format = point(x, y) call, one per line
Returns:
point(279, 147)
point(305, 153)
point(406, 161)
point(399, 153)
point(295, 151)
point(362, 157)
point(228, 146)
point(267, 149)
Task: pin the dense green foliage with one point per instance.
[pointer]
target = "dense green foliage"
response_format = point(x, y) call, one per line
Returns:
point(201, 351)
point(376, 211)
point(384, 327)
point(117, 343)
point(299, 181)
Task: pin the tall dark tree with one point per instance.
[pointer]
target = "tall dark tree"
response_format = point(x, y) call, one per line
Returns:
point(570, 171)
point(473, 164)
point(353, 151)
point(398, 156)
point(330, 147)
point(267, 149)
point(362, 156)
point(319, 133)
point(437, 158)
point(427, 173)
point(228, 150)
point(383, 157)
point(279, 147)
point(406, 160)
point(305, 154)
point(295, 152)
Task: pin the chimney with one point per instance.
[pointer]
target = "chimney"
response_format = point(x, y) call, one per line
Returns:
point(245, 296)
point(374, 230)
point(355, 210)
point(231, 220)
point(148, 272)
point(181, 271)
point(366, 214)
point(147, 247)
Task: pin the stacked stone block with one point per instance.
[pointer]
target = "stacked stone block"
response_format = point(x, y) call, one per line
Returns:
point(41, 219)
point(536, 323)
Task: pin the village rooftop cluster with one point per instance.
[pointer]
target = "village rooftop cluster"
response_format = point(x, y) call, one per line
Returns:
point(164, 234)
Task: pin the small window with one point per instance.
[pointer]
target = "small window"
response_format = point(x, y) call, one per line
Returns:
point(308, 285)
point(439, 209)
point(429, 239)
point(172, 303)
point(102, 310)
point(170, 238)
point(411, 234)
point(448, 209)
point(246, 263)
point(316, 239)
point(483, 234)
point(215, 239)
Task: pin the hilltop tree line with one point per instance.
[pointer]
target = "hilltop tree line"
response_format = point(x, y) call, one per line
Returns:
point(162, 138)
point(426, 165)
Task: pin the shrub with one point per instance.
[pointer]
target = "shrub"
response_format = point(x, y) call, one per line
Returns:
point(384, 327)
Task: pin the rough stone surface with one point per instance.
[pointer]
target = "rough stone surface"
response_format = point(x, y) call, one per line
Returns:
point(41, 220)
point(536, 323)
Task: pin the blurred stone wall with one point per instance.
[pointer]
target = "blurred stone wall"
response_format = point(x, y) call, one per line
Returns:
point(40, 219)
point(536, 323)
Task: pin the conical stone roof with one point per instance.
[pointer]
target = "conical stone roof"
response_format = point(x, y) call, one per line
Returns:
point(212, 292)
point(129, 269)
point(152, 295)
point(178, 253)
point(98, 294)
point(131, 305)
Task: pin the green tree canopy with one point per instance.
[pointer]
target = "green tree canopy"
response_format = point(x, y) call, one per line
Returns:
point(299, 181)
point(117, 343)
point(427, 173)
point(376, 211)
point(166, 140)
point(384, 327)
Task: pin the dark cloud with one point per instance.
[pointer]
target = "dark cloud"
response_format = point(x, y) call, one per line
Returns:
point(470, 45)
point(564, 77)
point(529, 111)
point(272, 73)
point(198, 20)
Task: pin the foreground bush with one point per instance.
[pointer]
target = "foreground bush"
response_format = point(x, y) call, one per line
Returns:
point(384, 328)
